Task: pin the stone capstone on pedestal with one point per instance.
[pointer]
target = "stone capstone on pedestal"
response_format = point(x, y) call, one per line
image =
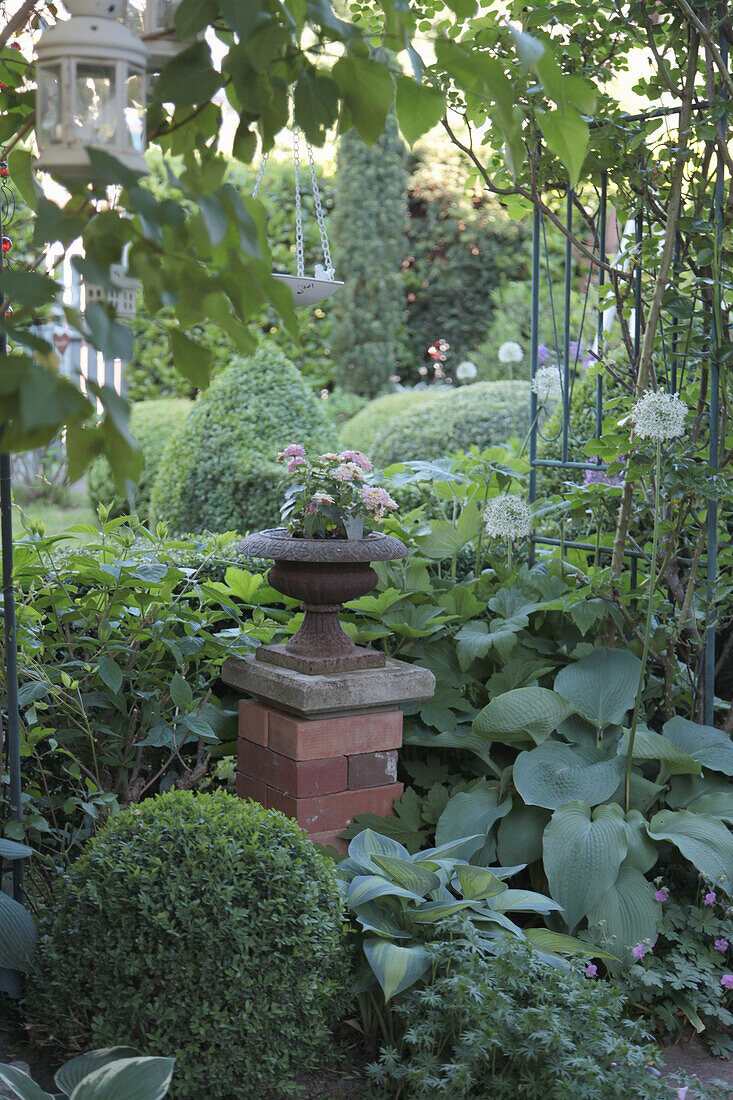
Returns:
point(322, 749)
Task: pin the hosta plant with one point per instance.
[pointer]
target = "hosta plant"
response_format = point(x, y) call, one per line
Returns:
point(401, 902)
point(17, 929)
point(114, 1073)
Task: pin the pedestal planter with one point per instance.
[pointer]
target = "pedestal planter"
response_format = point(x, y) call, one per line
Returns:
point(323, 574)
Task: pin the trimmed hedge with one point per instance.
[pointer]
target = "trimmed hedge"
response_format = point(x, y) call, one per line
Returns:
point(484, 414)
point(218, 473)
point(200, 926)
point(360, 433)
point(152, 423)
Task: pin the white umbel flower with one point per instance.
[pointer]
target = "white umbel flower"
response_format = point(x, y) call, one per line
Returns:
point(466, 370)
point(547, 384)
point(659, 416)
point(507, 517)
point(510, 352)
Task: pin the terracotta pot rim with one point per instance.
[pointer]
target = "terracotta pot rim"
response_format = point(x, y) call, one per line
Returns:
point(277, 544)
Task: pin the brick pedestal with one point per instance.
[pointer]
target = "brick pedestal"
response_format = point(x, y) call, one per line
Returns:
point(322, 749)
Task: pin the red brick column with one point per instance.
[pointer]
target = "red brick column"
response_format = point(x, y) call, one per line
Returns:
point(320, 771)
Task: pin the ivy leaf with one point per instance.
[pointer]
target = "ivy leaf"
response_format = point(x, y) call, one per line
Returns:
point(419, 108)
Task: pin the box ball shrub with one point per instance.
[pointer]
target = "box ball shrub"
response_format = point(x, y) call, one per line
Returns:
point(200, 926)
point(218, 473)
point(361, 431)
point(484, 414)
point(152, 423)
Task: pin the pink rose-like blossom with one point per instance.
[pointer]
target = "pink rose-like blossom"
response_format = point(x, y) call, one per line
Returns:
point(710, 898)
point(377, 500)
point(721, 945)
point(639, 951)
point(360, 459)
point(727, 981)
point(591, 970)
point(294, 450)
point(347, 471)
point(295, 462)
point(661, 895)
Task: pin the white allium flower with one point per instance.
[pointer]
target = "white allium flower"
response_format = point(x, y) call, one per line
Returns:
point(466, 370)
point(547, 384)
point(510, 352)
point(659, 416)
point(507, 517)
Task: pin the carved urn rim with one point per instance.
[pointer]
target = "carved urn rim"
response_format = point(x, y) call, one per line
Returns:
point(276, 543)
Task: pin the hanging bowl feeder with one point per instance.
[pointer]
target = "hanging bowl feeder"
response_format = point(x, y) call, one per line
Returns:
point(306, 290)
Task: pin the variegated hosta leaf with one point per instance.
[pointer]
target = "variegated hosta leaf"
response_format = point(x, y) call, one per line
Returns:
point(366, 844)
point(395, 968)
point(407, 874)
point(477, 883)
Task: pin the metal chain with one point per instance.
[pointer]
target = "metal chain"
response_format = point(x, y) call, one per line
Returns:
point(320, 216)
point(298, 208)
point(260, 174)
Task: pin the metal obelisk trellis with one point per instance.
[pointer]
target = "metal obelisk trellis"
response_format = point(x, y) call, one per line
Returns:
point(673, 370)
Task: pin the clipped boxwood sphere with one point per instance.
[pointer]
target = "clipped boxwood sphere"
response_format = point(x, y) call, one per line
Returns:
point(200, 926)
point(218, 473)
point(360, 432)
point(484, 414)
point(152, 423)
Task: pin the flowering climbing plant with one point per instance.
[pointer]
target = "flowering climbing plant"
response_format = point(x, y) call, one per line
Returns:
point(332, 495)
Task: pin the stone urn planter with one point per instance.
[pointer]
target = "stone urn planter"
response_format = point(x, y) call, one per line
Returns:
point(323, 574)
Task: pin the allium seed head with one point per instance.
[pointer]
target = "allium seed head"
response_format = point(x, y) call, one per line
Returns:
point(510, 352)
point(547, 384)
point(659, 416)
point(507, 517)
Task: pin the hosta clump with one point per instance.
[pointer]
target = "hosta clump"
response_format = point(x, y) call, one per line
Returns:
point(199, 926)
point(510, 1025)
point(98, 1075)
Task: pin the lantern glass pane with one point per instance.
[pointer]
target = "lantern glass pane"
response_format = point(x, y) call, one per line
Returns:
point(135, 15)
point(50, 126)
point(135, 110)
point(95, 105)
point(164, 16)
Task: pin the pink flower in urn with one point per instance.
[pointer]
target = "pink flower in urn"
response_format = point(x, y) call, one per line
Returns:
point(377, 500)
point(360, 459)
point(294, 463)
point(347, 471)
point(323, 498)
point(294, 450)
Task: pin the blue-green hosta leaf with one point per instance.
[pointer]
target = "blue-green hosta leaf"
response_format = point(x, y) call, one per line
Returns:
point(528, 714)
point(10, 849)
point(582, 855)
point(127, 1079)
point(643, 852)
point(556, 943)
point(470, 812)
point(478, 883)
point(704, 840)
point(486, 917)
point(649, 745)
point(373, 918)
point(17, 935)
point(395, 968)
point(520, 833)
point(365, 888)
point(710, 746)
point(70, 1074)
point(716, 804)
point(525, 901)
point(463, 848)
point(22, 1085)
point(627, 913)
point(407, 874)
point(369, 843)
point(602, 686)
point(553, 774)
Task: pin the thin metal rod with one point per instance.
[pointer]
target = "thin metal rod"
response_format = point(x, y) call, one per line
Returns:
point(639, 237)
point(11, 656)
point(533, 361)
point(640, 555)
point(566, 334)
point(601, 280)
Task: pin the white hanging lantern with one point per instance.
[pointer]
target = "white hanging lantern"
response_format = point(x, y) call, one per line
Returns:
point(306, 291)
point(91, 91)
point(155, 21)
point(123, 293)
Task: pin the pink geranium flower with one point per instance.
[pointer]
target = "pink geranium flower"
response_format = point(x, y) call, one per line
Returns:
point(721, 945)
point(710, 898)
point(727, 981)
point(639, 951)
point(661, 895)
point(591, 970)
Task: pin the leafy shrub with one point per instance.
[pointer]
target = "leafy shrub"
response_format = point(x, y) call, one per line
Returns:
point(361, 431)
point(152, 423)
point(510, 1025)
point(215, 930)
point(218, 473)
point(482, 415)
point(369, 246)
point(342, 405)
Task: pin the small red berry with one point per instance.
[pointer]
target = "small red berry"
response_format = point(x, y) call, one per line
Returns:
point(2, 86)
point(15, 45)
point(4, 170)
point(7, 244)
point(9, 311)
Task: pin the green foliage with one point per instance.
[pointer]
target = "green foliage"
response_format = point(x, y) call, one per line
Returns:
point(216, 932)
point(17, 930)
point(361, 431)
point(503, 1023)
point(114, 1073)
point(152, 423)
point(219, 472)
point(342, 406)
point(481, 415)
point(677, 984)
point(120, 643)
point(368, 238)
